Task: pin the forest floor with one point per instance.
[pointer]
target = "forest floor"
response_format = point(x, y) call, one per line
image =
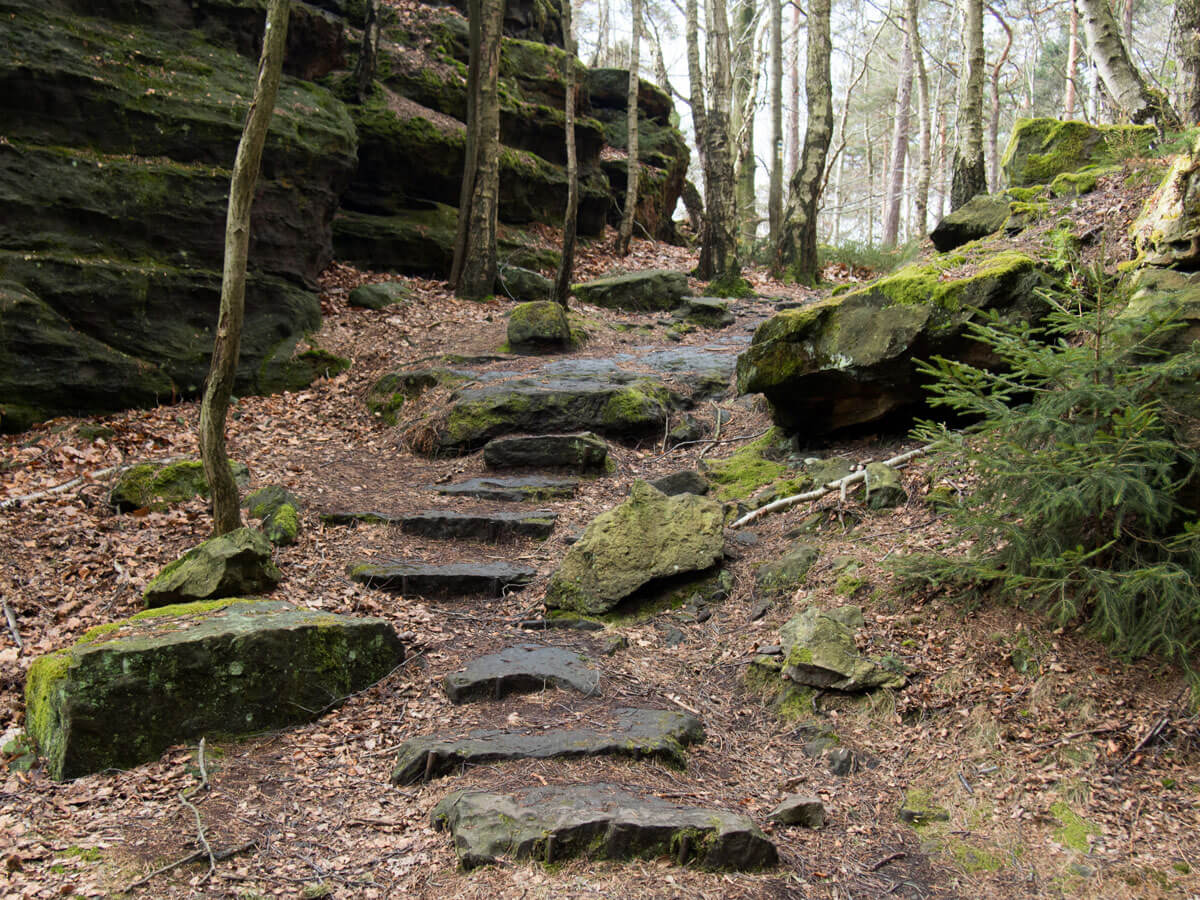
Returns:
point(1063, 771)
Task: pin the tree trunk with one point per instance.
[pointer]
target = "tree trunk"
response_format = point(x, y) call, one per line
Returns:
point(993, 132)
point(1187, 20)
point(797, 251)
point(794, 113)
point(600, 57)
point(477, 271)
point(625, 233)
point(364, 69)
point(214, 408)
point(1129, 93)
point(718, 249)
point(900, 126)
point(745, 98)
point(775, 193)
point(970, 174)
point(566, 266)
point(1072, 64)
point(921, 194)
point(471, 155)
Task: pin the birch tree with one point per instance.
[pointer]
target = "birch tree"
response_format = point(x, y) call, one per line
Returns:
point(566, 266)
point(625, 233)
point(1124, 83)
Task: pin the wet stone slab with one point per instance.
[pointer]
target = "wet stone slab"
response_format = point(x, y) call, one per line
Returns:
point(454, 579)
point(490, 527)
point(582, 451)
point(597, 821)
point(522, 670)
point(638, 733)
point(513, 490)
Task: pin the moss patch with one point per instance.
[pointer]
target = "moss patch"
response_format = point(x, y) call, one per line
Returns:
point(1073, 831)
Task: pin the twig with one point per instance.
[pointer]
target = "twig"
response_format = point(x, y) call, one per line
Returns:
point(876, 866)
point(732, 440)
point(12, 623)
point(183, 798)
point(184, 860)
point(841, 485)
point(1153, 732)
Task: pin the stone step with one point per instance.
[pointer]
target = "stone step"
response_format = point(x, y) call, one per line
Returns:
point(521, 670)
point(357, 516)
point(166, 676)
point(527, 489)
point(582, 451)
point(453, 579)
point(597, 821)
point(638, 733)
point(490, 527)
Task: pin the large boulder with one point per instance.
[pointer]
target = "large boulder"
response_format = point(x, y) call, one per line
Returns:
point(130, 689)
point(849, 360)
point(114, 177)
point(539, 326)
point(157, 485)
point(1168, 230)
point(229, 565)
point(1040, 149)
point(648, 536)
point(656, 289)
point(980, 216)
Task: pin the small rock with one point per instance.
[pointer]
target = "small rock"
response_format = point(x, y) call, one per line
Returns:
point(771, 650)
point(156, 485)
point(237, 564)
point(745, 538)
point(523, 285)
point(614, 644)
point(797, 809)
point(708, 312)
point(758, 610)
point(842, 761)
point(688, 481)
point(279, 510)
point(884, 487)
point(380, 295)
point(786, 573)
point(673, 637)
point(521, 670)
point(538, 327)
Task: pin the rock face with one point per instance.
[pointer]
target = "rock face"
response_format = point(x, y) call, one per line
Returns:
point(617, 404)
point(128, 691)
point(581, 451)
point(1040, 149)
point(1168, 230)
point(648, 536)
point(819, 651)
point(848, 360)
point(114, 180)
point(640, 291)
point(638, 733)
point(237, 564)
point(155, 485)
point(598, 821)
point(980, 216)
point(521, 670)
point(538, 327)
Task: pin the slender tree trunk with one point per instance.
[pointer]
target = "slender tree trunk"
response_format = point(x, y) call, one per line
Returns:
point(900, 132)
point(477, 273)
point(696, 100)
point(869, 141)
point(921, 194)
point(364, 69)
point(1187, 21)
point(797, 251)
point(214, 407)
point(794, 112)
point(943, 166)
point(718, 250)
point(993, 130)
point(600, 57)
point(625, 233)
point(970, 174)
point(1129, 93)
point(471, 155)
point(775, 193)
point(1072, 64)
point(566, 266)
point(745, 72)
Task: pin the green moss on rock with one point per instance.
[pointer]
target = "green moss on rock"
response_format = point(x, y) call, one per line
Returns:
point(1041, 149)
point(158, 485)
point(230, 565)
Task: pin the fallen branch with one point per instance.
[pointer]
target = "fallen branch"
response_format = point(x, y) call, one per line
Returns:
point(1153, 733)
point(217, 855)
point(732, 440)
point(12, 623)
point(841, 485)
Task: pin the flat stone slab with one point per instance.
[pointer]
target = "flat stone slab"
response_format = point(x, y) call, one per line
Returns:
point(582, 451)
point(490, 527)
point(130, 689)
point(522, 670)
point(453, 579)
point(639, 733)
point(355, 516)
point(597, 821)
point(514, 490)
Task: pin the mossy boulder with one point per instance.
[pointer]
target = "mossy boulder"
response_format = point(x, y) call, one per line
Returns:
point(279, 510)
point(523, 285)
point(1040, 149)
point(156, 485)
point(708, 312)
point(980, 216)
point(388, 394)
point(884, 487)
point(648, 536)
point(648, 291)
point(1168, 230)
point(848, 360)
point(616, 404)
point(229, 565)
point(380, 295)
point(538, 327)
point(130, 689)
point(787, 573)
point(819, 651)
